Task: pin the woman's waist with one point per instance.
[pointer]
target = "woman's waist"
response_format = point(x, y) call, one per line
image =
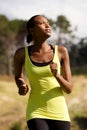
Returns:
point(51, 96)
point(46, 91)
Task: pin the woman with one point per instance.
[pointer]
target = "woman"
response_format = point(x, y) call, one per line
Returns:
point(49, 74)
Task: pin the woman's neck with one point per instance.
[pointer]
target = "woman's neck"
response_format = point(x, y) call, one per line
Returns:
point(41, 47)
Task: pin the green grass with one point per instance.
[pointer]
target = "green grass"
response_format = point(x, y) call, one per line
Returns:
point(12, 107)
point(9, 88)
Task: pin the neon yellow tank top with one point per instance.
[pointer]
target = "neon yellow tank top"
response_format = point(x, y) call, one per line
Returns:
point(46, 99)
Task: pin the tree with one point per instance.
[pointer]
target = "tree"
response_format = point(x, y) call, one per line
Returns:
point(4, 29)
point(10, 31)
point(63, 26)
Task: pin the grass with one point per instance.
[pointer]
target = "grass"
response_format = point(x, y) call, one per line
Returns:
point(77, 103)
point(13, 106)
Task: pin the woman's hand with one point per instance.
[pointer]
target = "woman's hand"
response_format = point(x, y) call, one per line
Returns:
point(22, 86)
point(54, 67)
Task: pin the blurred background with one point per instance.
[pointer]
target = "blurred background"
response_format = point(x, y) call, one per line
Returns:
point(69, 28)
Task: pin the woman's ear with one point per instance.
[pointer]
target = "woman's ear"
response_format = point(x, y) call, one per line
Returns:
point(31, 30)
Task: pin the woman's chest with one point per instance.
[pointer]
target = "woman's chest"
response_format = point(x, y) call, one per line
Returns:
point(42, 57)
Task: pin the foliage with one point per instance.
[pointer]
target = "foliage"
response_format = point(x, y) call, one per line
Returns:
point(12, 34)
point(4, 28)
point(63, 24)
point(17, 126)
point(78, 55)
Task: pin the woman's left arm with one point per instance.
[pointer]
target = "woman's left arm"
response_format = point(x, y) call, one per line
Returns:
point(65, 79)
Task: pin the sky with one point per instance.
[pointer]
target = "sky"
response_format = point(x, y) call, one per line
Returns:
point(74, 10)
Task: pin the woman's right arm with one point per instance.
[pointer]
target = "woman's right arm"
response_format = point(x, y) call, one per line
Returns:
point(19, 59)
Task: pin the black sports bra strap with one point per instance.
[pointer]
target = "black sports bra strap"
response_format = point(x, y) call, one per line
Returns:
point(41, 64)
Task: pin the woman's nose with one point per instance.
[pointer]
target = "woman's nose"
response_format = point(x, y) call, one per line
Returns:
point(47, 24)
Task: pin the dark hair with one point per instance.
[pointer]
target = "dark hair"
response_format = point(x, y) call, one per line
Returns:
point(30, 24)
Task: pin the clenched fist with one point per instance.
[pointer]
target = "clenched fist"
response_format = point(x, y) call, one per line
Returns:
point(23, 87)
point(54, 67)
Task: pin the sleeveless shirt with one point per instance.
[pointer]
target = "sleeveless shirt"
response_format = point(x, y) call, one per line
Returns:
point(46, 98)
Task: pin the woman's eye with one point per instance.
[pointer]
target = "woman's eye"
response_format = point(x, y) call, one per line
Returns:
point(41, 23)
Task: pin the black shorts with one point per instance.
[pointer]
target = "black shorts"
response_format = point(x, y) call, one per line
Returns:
point(48, 124)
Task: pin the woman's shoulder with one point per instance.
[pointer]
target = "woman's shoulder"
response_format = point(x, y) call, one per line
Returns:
point(62, 49)
point(20, 54)
point(20, 51)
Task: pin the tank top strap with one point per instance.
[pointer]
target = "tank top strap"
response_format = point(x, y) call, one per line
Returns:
point(26, 52)
point(56, 58)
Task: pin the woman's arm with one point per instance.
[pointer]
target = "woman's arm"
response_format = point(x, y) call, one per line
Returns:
point(65, 78)
point(19, 59)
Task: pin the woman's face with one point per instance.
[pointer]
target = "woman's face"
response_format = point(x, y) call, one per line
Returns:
point(41, 27)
